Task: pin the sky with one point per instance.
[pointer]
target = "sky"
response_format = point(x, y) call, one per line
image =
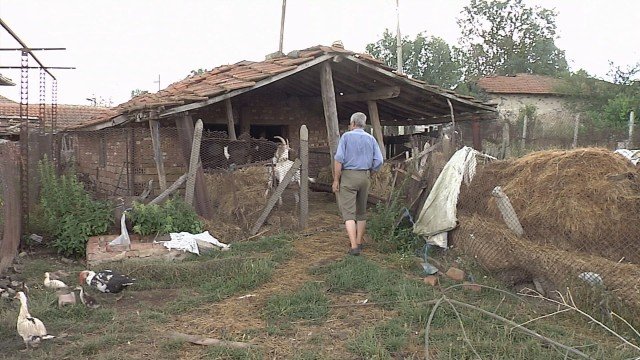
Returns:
point(117, 46)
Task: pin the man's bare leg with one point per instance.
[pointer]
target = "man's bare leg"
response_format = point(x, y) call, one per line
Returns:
point(361, 227)
point(350, 225)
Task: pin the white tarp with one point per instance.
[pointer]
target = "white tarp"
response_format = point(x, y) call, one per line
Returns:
point(632, 155)
point(189, 242)
point(438, 214)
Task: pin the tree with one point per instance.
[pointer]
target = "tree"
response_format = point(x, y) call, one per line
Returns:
point(507, 37)
point(137, 92)
point(429, 59)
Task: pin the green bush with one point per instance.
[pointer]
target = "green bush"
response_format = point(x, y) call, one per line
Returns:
point(383, 230)
point(171, 217)
point(69, 215)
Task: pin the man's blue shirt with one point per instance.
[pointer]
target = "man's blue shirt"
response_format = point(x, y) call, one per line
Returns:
point(358, 150)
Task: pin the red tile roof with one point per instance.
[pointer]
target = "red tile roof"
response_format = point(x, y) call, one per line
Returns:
point(68, 115)
point(520, 84)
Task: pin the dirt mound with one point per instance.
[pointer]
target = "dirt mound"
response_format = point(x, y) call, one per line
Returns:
point(583, 200)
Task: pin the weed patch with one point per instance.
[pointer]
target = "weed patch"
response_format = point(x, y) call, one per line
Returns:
point(309, 302)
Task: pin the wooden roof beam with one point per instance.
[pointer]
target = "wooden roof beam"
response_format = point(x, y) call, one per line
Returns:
point(389, 92)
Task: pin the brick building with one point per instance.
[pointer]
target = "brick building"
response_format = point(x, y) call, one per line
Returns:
point(319, 87)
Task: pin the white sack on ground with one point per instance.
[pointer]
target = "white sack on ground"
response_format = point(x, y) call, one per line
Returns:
point(189, 242)
point(631, 155)
point(438, 214)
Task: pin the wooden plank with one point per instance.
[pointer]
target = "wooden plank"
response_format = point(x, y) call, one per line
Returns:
point(304, 176)
point(269, 80)
point(231, 125)
point(377, 128)
point(186, 130)
point(388, 92)
point(205, 341)
point(162, 197)
point(154, 127)
point(12, 222)
point(194, 162)
point(275, 196)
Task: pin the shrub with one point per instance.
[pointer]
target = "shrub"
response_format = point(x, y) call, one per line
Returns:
point(385, 233)
point(171, 217)
point(69, 215)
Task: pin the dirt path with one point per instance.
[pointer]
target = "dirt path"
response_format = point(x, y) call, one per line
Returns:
point(239, 318)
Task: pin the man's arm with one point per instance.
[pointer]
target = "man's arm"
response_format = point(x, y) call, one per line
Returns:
point(377, 157)
point(337, 172)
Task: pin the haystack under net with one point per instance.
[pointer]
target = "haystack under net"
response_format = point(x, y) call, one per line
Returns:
point(579, 210)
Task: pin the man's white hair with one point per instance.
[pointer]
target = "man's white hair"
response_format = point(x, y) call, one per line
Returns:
point(359, 119)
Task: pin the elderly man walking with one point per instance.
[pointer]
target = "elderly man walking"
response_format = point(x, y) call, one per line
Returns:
point(357, 155)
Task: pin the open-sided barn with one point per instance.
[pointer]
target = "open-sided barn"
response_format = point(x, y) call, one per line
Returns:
point(126, 146)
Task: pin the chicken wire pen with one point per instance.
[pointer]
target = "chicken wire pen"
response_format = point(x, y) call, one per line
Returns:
point(120, 164)
point(578, 211)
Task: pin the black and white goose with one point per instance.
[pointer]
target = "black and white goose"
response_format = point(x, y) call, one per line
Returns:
point(106, 281)
point(31, 329)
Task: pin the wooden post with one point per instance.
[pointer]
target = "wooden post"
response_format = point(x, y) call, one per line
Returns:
point(185, 136)
point(477, 135)
point(194, 162)
point(154, 126)
point(524, 131)
point(377, 128)
point(631, 124)
point(162, 197)
point(304, 176)
point(231, 126)
point(275, 196)
point(576, 127)
point(330, 108)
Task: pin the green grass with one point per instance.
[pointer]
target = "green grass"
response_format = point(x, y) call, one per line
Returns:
point(309, 303)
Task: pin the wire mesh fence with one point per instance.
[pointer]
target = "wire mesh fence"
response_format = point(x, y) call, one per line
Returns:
point(559, 220)
point(238, 175)
point(10, 204)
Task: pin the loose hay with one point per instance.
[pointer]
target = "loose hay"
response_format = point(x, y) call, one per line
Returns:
point(380, 181)
point(583, 200)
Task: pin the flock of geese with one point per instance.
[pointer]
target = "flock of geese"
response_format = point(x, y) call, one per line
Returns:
point(33, 331)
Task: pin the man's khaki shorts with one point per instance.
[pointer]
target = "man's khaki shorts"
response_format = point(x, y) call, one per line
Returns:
point(354, 188)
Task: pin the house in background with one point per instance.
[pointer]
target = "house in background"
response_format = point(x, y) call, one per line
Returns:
point(512, 93)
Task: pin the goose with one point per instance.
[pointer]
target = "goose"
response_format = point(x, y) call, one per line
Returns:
point(31, 329)
point(53, 284)
point(106, 281)
point(86, 299)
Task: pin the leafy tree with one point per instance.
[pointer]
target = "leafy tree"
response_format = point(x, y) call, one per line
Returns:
point(137, 92)
point(507, 37)
point(606, 104)
point(429, 59)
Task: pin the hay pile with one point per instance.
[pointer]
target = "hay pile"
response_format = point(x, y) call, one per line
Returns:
point(380, 181)
point(584, 200)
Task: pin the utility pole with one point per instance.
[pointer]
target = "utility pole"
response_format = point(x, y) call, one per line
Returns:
point(284, 10)
point(158, 82)
point(399, 39)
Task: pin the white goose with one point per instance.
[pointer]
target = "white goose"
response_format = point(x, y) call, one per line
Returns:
point(31, 329)
point(53, 284)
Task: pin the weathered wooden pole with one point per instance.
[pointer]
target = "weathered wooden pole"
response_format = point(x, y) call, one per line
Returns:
point(330, 108)
point(154, 127)
point(631, 124)
point(275, 196)
point(377, 128)
point(193, 163)
point(304, 176)
point(476, 132)
point(231, 124)
point(186, 130)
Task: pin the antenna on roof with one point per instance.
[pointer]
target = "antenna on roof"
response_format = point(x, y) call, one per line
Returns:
point(158, 81)
point(284, 10)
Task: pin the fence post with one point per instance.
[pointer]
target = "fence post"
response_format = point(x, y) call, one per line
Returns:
point(576, 126)
point(304, 176)
point(524, 131)
point(631, 124)
point(193, 163)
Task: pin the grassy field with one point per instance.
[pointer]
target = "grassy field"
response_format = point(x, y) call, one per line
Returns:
point(296, 297)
